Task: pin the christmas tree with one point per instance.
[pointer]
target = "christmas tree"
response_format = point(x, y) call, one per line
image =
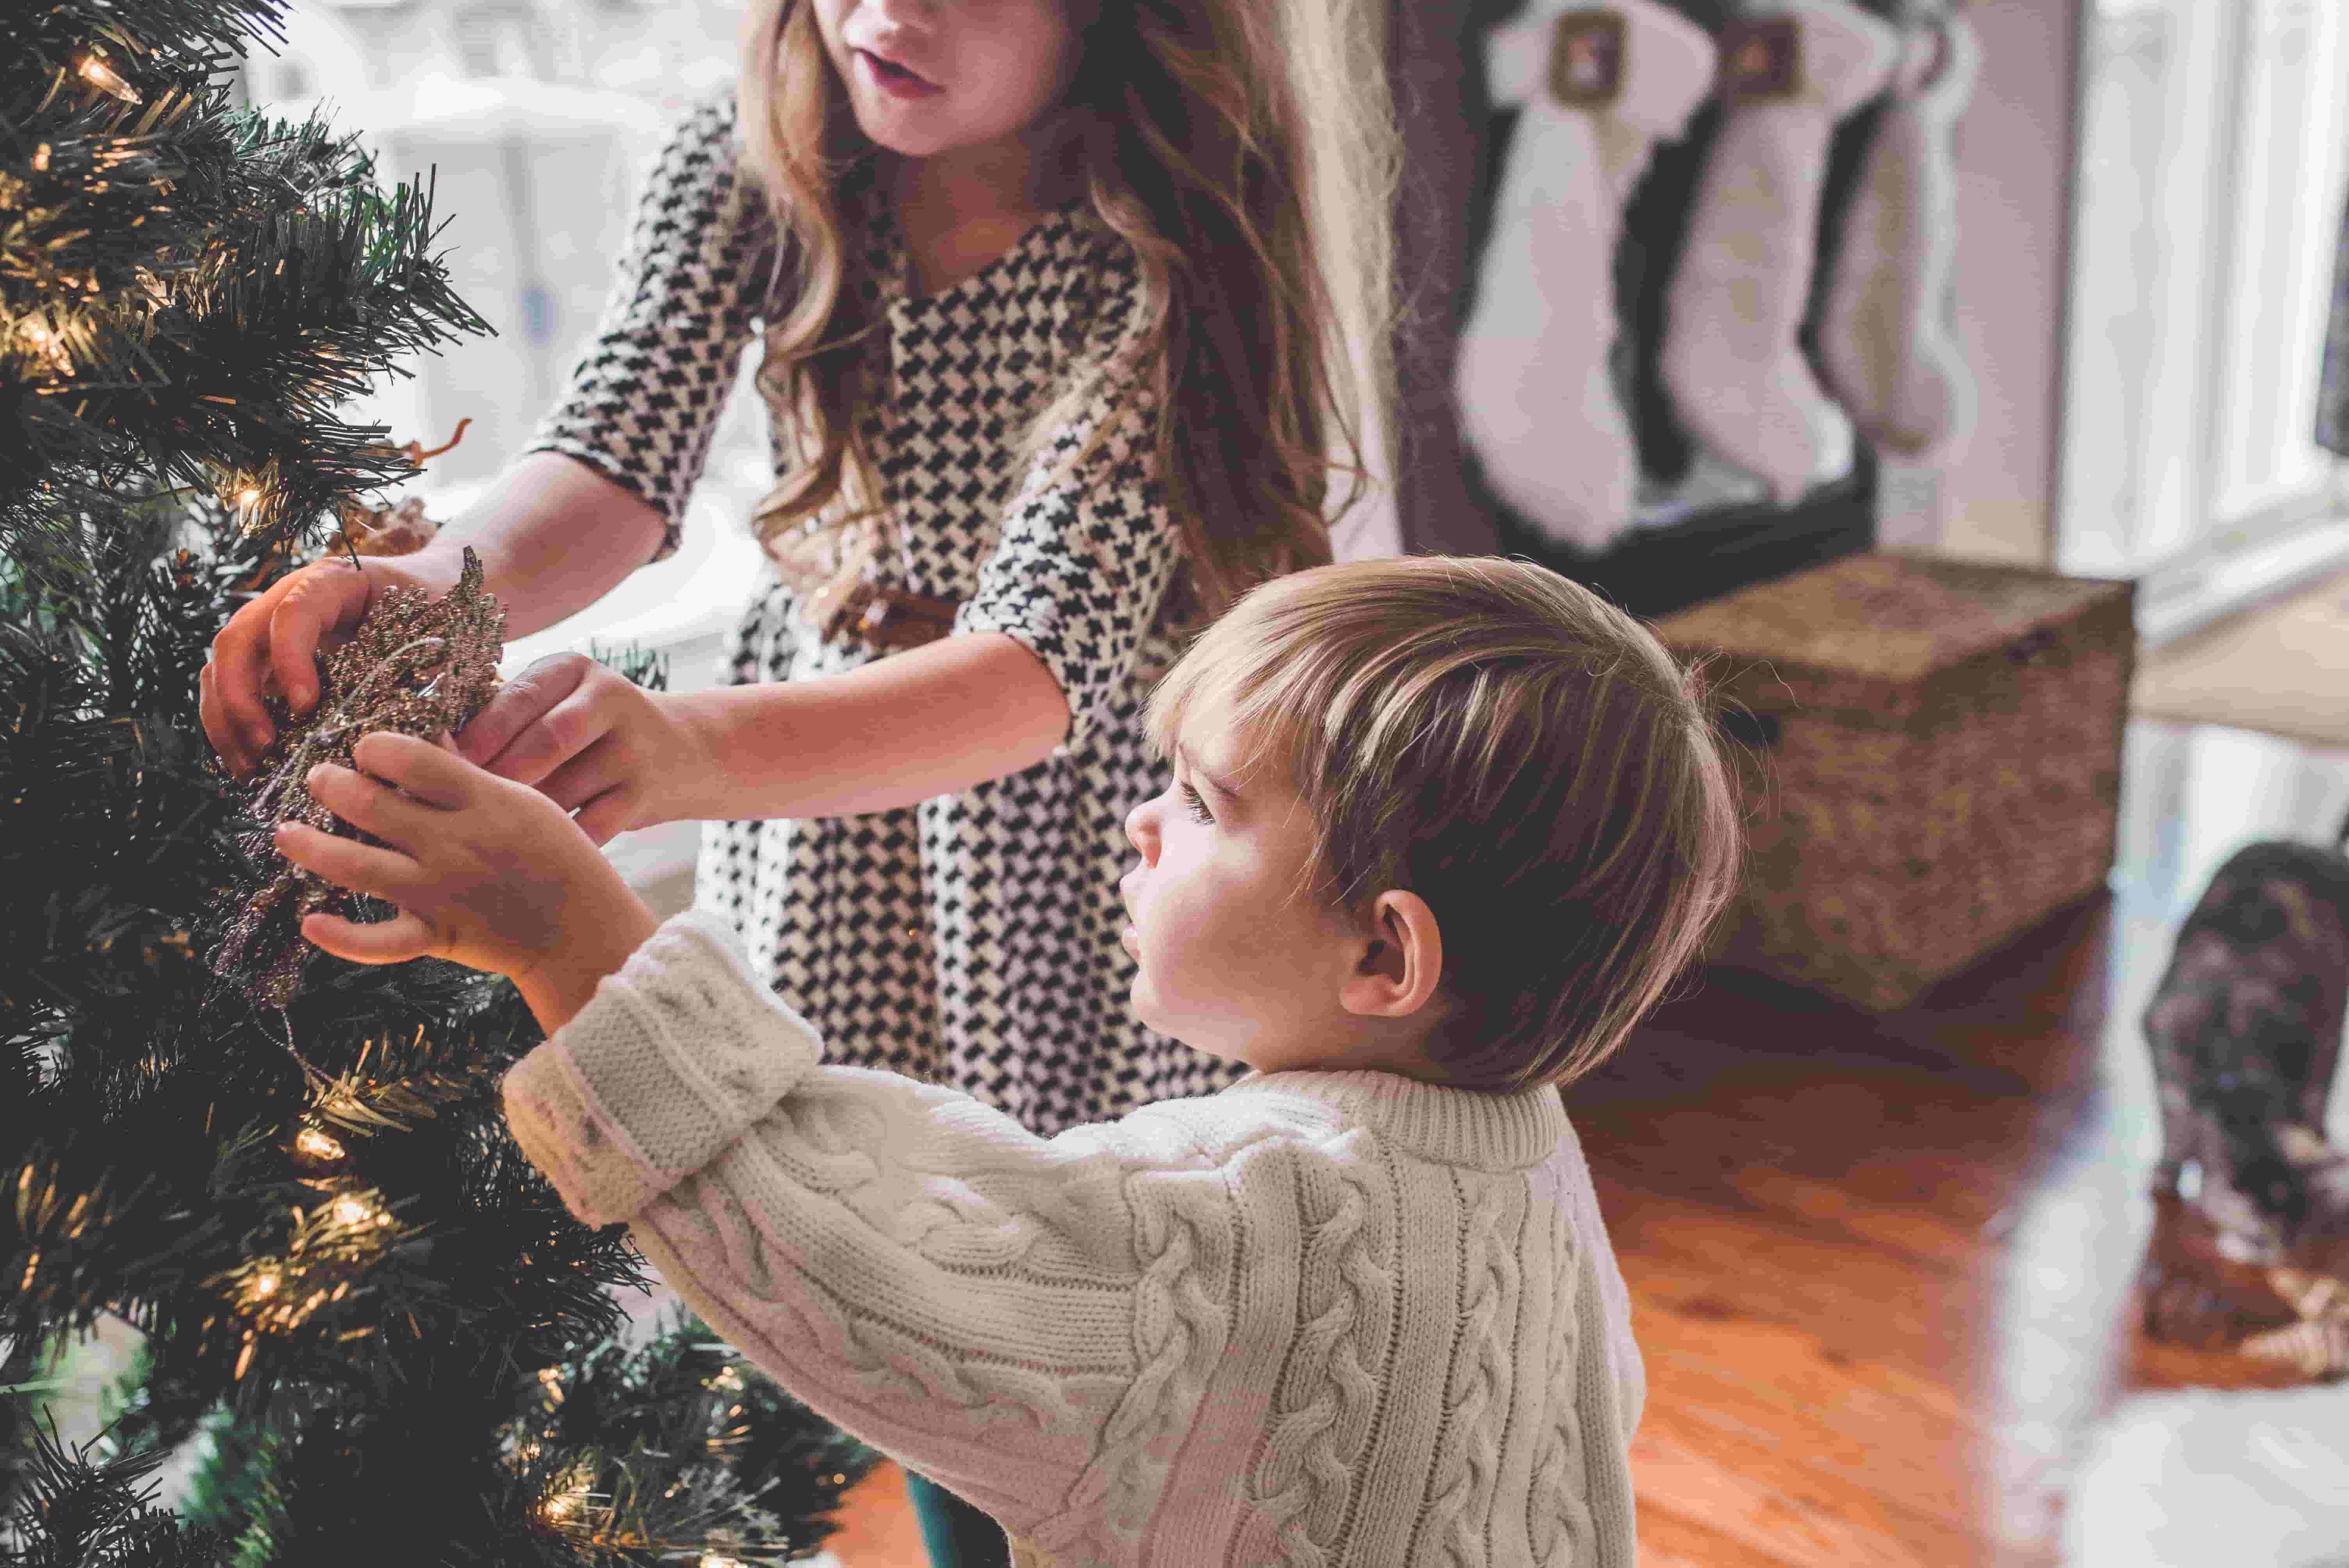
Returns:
point(369, 1318)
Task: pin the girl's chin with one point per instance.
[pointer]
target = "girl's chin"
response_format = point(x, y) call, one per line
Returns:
point(890, 136)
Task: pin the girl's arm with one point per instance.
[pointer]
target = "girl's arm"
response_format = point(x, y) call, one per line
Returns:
point(1043, 644)
point(930, 721)
point(553, 535)
point(1030, 1321)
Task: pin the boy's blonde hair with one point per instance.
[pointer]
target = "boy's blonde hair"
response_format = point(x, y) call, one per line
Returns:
point(1524, 755)
point(1248, 151)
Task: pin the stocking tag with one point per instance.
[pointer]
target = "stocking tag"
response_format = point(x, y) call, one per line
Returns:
point(1761, 60)
point(1586, 58)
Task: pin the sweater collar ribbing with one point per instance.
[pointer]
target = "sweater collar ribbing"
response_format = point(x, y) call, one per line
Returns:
point(1483, 1130)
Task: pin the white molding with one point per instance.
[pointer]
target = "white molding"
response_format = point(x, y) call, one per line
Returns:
point(2185, 600)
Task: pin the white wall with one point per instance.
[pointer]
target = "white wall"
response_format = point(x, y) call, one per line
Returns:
point(2014, 177)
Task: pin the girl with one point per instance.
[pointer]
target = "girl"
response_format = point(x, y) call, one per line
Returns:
point(1057, 301)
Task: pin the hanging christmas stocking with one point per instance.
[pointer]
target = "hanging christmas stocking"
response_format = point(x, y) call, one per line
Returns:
point(1886, 338)
point(1791, 68)
point(1599, 87)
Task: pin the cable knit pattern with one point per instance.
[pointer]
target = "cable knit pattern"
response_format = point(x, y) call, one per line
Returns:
point(1323, 1414)
point(1308, 1320)
point(1557, 1515)
point(1180, 1325)
point(1464, 1472)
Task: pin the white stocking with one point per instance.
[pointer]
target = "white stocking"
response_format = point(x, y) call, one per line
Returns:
point(1536, 399)
point(1886, 338)
point(1731, 362)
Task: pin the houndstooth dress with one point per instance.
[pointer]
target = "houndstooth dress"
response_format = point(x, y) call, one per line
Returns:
point(971, 939)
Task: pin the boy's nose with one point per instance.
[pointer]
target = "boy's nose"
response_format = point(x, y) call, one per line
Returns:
point(1142, 832)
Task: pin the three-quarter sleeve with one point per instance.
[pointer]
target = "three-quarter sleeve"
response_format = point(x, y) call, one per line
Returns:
point(643, 400)
point(1083, 558)
point(916, 1267)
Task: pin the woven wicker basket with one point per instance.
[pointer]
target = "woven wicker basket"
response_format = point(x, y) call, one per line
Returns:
point(1931, 759)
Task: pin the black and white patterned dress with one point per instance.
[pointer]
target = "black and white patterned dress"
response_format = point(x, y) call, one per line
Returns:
point(971, 939)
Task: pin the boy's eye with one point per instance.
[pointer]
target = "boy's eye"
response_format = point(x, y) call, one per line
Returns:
point(1198, 807)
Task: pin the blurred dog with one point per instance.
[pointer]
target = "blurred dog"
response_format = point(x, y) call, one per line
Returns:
point(2245, 1034)
point(2251, 1244)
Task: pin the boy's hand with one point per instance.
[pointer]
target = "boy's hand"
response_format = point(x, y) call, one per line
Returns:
point(590, 740)
point(485, 872)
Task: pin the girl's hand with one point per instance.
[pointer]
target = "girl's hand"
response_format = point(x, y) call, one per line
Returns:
point(275, 638)
point(590, 740)
point(485, 872)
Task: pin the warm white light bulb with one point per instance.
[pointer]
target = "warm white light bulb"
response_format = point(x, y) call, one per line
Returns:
point(100, 74)
point(317, 1145)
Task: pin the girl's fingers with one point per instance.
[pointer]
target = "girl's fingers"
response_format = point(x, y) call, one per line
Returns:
point(393, 941)
point(217, 728)
point(512, 737)
point(322, 599)
point(605, 817)
point(386, 875)
point(593, 772)
point(240, 656)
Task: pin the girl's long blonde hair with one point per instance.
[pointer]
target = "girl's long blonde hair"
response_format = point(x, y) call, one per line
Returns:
point(1246, 149)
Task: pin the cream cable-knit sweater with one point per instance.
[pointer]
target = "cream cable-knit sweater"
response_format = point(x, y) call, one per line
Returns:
point(1320, 1317)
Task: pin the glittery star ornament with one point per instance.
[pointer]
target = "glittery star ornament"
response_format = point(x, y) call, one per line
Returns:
point(417, 666)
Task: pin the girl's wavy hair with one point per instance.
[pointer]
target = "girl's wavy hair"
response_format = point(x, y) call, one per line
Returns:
point(1247, 150)
point(1520, 753)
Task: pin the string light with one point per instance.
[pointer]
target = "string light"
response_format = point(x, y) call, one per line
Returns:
point(572, 1499)
point(51, 343)
point(266, 1285)
point(249, 497)
point(99, 74)
point(316, 1145)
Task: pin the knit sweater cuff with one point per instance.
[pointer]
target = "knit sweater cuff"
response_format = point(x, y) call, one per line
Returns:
point(669, 1062)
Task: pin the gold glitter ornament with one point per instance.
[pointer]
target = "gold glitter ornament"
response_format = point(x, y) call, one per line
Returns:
point(416, 665)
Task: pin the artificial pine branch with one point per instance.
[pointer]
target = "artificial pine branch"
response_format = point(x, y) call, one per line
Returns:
point(75, 1514)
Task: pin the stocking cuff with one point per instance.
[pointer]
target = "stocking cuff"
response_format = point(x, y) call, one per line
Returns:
point(1943, 80)
point(1639, 62)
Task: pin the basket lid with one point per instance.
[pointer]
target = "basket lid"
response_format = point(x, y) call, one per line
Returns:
point(1896, 618)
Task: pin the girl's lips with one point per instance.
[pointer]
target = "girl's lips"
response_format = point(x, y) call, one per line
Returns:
point(893, 78)
point(1131, 940)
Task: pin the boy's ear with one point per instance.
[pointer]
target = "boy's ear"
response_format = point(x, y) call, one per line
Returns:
point(1402, 961)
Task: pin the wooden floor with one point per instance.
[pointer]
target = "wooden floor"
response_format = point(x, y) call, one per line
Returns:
point(1881, 1267)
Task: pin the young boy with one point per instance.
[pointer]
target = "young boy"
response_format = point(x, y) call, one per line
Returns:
point(1439, 831)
